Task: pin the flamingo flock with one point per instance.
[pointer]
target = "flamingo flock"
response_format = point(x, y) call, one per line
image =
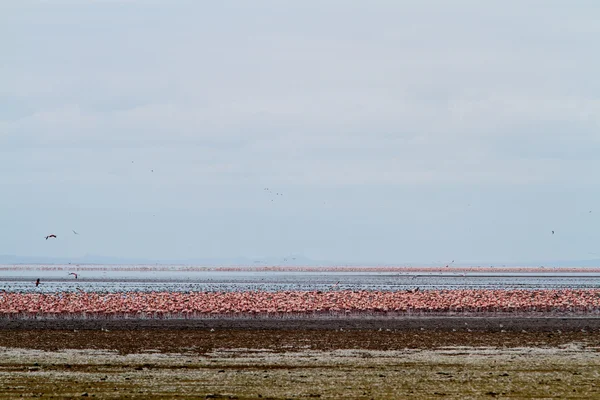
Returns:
point(294, 303)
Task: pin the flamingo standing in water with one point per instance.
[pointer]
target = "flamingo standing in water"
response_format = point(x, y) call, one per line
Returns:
point(37, 282)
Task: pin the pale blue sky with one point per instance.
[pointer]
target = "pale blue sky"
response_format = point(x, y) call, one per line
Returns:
point(397, 131)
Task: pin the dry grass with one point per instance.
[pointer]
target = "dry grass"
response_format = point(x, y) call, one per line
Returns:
point(569, 371)
point(449, 358)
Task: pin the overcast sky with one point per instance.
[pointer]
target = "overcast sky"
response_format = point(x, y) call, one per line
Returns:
point(397, 131)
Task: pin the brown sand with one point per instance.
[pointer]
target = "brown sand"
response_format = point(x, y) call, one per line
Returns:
point(356, 359)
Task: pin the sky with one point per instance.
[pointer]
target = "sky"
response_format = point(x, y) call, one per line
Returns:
point(396, 131)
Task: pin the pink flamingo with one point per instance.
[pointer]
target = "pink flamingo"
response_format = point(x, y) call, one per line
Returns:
point(165, 304)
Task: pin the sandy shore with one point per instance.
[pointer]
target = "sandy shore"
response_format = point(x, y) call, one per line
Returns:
point(299, 359)
point(566, 372)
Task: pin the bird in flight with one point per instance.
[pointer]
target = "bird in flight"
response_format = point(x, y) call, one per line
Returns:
point(75, 232)
point(553, 232)
point(50, 236)
point(73, 273)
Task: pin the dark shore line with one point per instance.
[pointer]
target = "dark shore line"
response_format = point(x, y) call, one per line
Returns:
point(407, 323)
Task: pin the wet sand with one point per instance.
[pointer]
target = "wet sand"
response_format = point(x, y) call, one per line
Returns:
point(481, 322)
point(203, 341)
point(291, 358)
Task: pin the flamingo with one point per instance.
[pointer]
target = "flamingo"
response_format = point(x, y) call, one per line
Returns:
point(73, 273)
point(163, 304)
point(50, 236)
point(37, 282)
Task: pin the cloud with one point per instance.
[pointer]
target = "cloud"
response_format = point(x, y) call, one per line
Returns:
point(321, 97)
point(469, 141)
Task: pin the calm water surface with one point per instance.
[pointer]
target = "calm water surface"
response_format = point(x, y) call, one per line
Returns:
point(110, 279)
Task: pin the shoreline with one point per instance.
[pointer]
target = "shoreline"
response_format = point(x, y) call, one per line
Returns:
point(481, 323)
point(358, 358)
point(565, 370)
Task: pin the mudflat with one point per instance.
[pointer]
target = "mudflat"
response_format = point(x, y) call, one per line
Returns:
point(338, 358)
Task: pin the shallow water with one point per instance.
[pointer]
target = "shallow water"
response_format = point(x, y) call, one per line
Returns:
point(107, 278)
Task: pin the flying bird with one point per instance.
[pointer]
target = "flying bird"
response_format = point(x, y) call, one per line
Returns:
point(553, 232)
point(50, 236)
point(73, 273)
point(75, 232)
